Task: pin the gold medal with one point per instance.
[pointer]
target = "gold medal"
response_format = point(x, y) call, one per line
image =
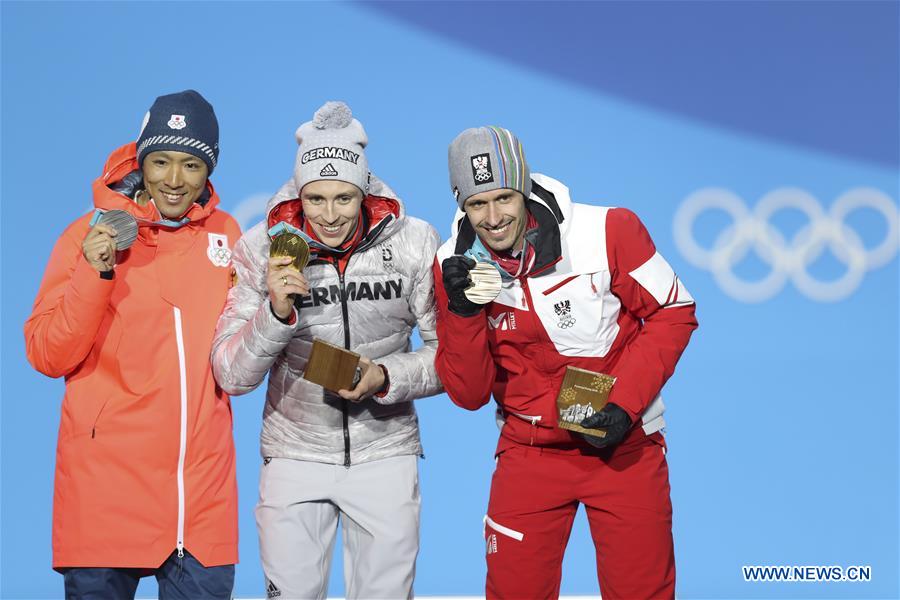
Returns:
point(290, 244)
point(486, 283)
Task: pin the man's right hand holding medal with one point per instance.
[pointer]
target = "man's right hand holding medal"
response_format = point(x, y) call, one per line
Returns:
point(99, 247)
point(455, 273)
point(284, 282)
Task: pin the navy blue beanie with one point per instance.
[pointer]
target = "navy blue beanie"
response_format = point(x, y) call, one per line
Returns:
point(183, 122)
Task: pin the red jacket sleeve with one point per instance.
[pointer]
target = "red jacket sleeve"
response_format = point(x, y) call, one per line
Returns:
point(463, 361)
point(69, 308)
point(650, 290)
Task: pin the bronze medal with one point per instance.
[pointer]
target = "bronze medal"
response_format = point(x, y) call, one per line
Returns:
point(486, 283)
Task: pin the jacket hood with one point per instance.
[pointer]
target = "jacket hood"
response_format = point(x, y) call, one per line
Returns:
point(121, 163)
point(384, 211)
point(551, 207)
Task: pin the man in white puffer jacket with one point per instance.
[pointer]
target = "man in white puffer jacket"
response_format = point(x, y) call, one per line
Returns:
point(352, 455)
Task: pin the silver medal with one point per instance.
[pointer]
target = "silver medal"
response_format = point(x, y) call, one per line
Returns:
point(125, 225)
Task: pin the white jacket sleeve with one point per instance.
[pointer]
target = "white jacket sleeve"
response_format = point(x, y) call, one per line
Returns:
point(248, 336)
point(412, 374)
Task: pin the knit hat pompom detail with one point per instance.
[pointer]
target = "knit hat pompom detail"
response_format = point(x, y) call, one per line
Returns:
point(333, 115)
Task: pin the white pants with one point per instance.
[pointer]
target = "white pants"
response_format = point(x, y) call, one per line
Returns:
point(300, 503)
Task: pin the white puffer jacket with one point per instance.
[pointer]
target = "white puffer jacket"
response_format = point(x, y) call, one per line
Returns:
point(387, 289)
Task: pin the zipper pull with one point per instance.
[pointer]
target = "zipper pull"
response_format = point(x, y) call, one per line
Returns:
point(180, 547)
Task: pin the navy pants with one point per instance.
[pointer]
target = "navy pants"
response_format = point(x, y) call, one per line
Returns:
point(178, 578)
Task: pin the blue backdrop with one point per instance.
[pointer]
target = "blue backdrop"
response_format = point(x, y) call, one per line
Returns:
point(758, 141)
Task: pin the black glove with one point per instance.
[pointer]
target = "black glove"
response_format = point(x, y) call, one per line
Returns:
point(610, 418)
point(455, 271)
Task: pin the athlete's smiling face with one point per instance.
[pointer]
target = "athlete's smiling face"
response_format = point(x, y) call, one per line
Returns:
point(332, 209)
point(499, 218)
point(174, 180)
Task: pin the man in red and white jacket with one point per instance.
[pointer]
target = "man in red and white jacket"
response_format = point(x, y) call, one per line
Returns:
point(583, 286)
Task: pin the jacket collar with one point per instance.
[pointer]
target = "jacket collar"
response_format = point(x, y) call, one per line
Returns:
point(122, 162)
point(383, 211)
point(376, 215)
point(545, 238)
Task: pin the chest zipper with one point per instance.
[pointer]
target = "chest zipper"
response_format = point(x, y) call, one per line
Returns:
point(345, 407)
point(182, 439)
point(537, 326)
point(565, 281)
point(528, 303)
point(534, 424)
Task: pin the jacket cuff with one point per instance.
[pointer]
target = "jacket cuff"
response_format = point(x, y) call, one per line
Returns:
point(292, 318)
point(396, 377)
point(456, 322)
point(635, 417)
point(387, 383)
point(88, 286)
point(621, 400)
point(269, 328)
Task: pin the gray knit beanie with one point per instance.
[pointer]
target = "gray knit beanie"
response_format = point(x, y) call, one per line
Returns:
point(331, 147)
point(487, 158)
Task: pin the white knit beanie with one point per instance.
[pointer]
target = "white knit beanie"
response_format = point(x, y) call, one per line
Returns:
point(331, 147)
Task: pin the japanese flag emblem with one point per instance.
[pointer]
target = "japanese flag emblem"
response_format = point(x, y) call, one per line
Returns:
point(177, 122)
point(218, 251)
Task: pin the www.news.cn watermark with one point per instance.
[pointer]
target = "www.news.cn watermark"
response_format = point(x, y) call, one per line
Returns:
point(801, 573)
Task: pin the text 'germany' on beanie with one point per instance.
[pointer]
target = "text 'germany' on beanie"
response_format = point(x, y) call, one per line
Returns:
point(332, 147)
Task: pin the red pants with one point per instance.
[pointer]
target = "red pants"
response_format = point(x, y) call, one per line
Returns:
point(534, 496)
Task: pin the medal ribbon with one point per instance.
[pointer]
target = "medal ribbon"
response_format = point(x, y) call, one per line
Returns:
point(146, 222)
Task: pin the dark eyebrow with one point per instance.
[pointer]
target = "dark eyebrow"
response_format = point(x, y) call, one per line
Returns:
point(167, 156)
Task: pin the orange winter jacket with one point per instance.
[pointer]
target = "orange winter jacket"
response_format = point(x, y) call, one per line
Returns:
point(145, 458)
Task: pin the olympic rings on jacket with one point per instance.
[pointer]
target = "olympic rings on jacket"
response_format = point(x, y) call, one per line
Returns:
point(787, 259)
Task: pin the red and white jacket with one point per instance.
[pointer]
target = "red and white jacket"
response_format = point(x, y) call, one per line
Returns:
point(599, 297)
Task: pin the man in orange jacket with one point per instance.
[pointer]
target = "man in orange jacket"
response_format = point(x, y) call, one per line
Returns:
point(145, 467)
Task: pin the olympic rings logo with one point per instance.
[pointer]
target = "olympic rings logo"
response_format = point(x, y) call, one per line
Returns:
point(566, 322)
point(787, 259)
